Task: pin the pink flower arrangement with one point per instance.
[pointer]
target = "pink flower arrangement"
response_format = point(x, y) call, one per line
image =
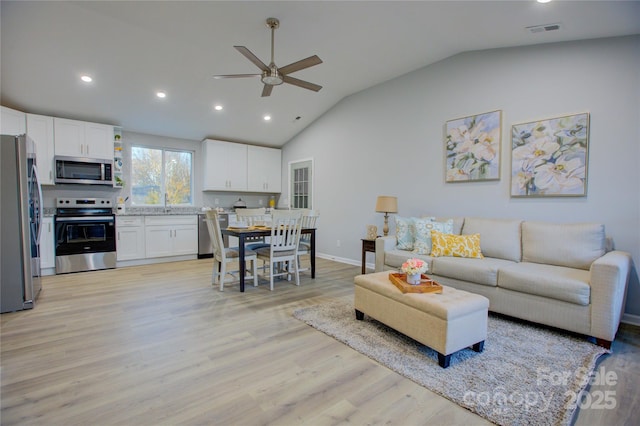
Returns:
point(414, 266)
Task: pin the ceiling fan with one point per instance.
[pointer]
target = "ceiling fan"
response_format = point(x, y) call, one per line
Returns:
point(272, 75)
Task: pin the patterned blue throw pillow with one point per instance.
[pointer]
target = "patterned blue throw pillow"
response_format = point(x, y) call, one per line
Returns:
point(422, 233)
point(404, 232)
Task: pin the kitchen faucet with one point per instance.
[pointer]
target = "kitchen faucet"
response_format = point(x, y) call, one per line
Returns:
point(167, 206)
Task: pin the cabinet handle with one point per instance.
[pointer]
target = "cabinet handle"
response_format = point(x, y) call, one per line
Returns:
point(118, 235)
point(87, 149)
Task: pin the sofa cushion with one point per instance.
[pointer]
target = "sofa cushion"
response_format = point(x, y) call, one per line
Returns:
point(479, 271)
point(395, 258)
point(555, 282)
point(404, 232)
point(499, 238)
point(422, 233)
point(574, 245)
point(455, 245)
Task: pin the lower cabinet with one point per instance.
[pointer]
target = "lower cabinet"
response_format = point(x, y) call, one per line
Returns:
point(170, 235)
point(130, 243)
point(47, 244)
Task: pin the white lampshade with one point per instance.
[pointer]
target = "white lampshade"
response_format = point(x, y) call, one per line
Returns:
point(387, 204)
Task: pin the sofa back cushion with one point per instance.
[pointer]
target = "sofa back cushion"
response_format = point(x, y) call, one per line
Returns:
point(499, 238)
point(574, 245)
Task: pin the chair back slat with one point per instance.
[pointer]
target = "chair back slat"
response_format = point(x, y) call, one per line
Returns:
point(215, 234)
point(309, 220)
point(285, 230)
point(252, 217)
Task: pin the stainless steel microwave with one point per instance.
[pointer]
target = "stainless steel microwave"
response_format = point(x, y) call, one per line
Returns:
point(87, 171)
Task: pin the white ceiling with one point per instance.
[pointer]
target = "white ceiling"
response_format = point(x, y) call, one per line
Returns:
point(132, 49)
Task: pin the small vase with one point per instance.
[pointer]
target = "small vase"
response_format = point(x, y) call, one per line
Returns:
point(413, 279)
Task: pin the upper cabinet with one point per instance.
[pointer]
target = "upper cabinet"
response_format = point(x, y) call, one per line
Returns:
point(225, 166)
point(83, 139)
point(12, 122)
point(40, 129)
point(264, 169)
point(232, 166)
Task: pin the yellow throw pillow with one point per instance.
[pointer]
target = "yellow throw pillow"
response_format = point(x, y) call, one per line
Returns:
point(455, 245)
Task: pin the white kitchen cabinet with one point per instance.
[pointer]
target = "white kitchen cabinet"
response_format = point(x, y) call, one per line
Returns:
point(225, 166)
point(83, 139)
point(264, 169)
point(171, 235)
point(12, 122)
point(40, 130)
point(130, 238)
point(47, 244)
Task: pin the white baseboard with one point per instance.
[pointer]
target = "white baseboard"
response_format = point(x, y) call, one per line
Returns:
point(339, 259)
point(631, 319)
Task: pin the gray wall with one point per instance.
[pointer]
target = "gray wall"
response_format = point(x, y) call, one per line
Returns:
point(388, 140)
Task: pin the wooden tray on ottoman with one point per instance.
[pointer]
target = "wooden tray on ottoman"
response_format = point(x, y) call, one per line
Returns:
point(426, 286)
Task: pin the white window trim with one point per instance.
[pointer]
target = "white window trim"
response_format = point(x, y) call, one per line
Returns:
point(312, 180)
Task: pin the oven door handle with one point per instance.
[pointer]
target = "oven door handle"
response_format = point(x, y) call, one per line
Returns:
point(86, 219)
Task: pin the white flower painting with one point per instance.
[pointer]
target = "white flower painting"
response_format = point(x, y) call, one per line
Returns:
point(549, 157)
point(473, 147)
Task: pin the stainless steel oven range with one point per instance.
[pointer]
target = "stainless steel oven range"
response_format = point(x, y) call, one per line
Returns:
point(85, 234)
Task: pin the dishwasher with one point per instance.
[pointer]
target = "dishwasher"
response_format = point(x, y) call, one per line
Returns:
point(205, 249)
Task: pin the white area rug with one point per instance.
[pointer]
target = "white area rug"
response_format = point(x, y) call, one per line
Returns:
point(527, 375)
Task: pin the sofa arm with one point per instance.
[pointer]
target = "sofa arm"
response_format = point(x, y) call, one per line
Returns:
point(609, 277)
point(383, 244)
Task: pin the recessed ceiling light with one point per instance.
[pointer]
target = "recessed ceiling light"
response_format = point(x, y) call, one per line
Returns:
point(267, 117)
point(161, 94)
point(543, 1)
point(218, 107)
point(86, 79)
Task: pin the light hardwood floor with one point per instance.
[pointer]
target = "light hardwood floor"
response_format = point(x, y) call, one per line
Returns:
point(156, 344)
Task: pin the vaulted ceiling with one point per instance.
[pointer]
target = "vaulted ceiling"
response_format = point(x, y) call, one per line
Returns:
point(133, 49)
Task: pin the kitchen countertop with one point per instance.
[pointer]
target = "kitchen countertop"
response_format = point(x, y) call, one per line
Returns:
point(149, 211)
point(160, 211)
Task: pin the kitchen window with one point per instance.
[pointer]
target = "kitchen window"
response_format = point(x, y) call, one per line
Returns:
point(161, 177)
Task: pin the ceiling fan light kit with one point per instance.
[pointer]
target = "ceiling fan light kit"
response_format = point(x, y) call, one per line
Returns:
point(272, 75)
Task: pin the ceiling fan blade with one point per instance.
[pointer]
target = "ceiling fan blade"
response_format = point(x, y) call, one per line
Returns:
point(300, 65)
point(301, 83)
point(253, 58)
point(237, 76)
point(266, 91)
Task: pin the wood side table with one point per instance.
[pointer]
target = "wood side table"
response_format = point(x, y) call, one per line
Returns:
point(367, 246)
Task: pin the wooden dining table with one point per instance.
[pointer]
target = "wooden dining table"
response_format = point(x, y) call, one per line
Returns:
point(244, 233)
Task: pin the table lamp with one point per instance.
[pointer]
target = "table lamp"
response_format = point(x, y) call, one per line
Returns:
point(386, 204)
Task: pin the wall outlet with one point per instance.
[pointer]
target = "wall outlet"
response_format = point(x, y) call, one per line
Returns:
point(260, 202)
point(338, 243)
point(217, 201)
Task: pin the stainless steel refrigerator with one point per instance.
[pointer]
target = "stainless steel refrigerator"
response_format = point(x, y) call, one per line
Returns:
point(20, 224)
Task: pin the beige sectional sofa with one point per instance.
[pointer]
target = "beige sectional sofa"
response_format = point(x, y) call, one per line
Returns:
point(562, 275)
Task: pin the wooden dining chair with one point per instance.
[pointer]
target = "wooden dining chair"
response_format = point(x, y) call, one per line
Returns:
point(309, 220)
point(253, 217)
point(283, 248)
point(223, 255)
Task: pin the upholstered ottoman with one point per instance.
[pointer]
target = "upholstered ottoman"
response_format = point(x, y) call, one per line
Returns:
point(445, 322)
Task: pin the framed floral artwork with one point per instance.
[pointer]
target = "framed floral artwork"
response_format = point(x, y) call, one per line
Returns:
point(549, 157)
point(473, 147)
